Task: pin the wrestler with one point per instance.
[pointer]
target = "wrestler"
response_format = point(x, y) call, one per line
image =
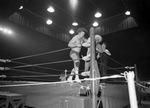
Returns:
point(98, 40)
point(101, 50)
point(75, 44)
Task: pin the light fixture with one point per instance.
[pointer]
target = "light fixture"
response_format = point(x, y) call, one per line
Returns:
point(49, 22)
point(75, 23)
point(21, 7)
point(71, 31)
point(73, 4)
point(95, 24)
point(127, 12)
point(98, 15)
point(1, 29)
point(50, 9)
point(5, 30)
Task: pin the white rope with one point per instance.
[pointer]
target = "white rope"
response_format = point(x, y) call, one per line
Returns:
point(60, 82)
point(106, 77)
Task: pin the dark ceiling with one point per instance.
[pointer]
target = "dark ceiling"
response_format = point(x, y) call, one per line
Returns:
point(64, 16)
point(84, 14)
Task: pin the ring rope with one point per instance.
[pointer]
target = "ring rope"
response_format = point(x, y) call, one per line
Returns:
point(45, 75)
point(40, 54)
point(43, 66)
point(142, 85)
point(57, 69)
point(115, 61)
point(34, 76)
point(116, 68)
point(30, 65)
point(60, 82)
point(41, 73)
point(39, 66)
point(27, 71)
point(37, 80)
point(111, 68)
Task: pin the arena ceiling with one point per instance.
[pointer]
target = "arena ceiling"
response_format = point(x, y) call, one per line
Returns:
point(83, 13)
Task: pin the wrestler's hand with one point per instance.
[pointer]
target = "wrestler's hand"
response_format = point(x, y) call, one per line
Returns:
point(86, 58)
point(98, 56)
point(107, 52)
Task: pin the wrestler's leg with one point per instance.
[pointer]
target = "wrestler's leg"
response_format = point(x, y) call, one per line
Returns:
point(76, 61)
point(86, 66)
point(86, 69)
point(76, 65)
point(72, 56)
point(71, 75)
point(75, 71)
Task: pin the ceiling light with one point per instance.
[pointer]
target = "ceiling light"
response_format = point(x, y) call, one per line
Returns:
point(50, 9)
point(71, 31)
point(9, 32)
point(74, 23)
point(73, 4)
point(5, 30)
point(49, 22)
point(127, 12)
point(21, 7)
point(1, 29)
point(95, 24)
point(98, 15)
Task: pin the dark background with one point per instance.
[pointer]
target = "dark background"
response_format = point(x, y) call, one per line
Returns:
point(128, 47)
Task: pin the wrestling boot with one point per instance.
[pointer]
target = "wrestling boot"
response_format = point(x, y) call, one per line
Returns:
point(77, 76)
point(71, 76)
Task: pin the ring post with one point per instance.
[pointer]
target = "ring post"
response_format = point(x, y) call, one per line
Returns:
point(92, 69)
point(131, 89)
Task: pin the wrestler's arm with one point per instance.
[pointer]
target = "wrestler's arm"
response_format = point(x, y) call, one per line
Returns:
point(99, 48)
point(87, 43)
point(88, 55)
point(107, 52)
point(73, 43)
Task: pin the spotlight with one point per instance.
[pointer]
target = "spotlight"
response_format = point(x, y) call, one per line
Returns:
point(98, 15)
point(127, 12)
point(74, 23)
point(73, 4)
point(49, 22)
point(1, 29)
point(21, 7)
point(51, 9)
point(95, 24)
point(71, 31)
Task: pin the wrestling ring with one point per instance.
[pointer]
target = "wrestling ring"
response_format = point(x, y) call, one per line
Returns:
point(62, 93)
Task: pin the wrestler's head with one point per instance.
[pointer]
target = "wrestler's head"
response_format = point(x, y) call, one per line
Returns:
point(104, 45)
point(98, 39)
point(82, 32)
